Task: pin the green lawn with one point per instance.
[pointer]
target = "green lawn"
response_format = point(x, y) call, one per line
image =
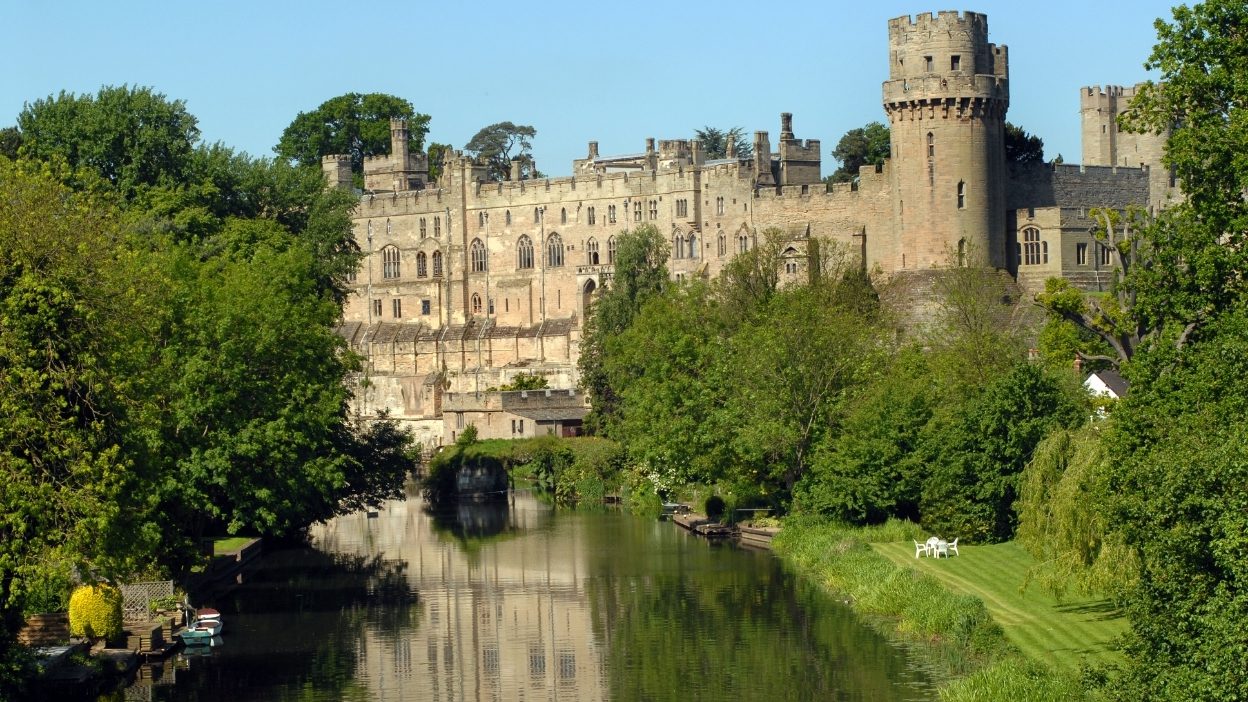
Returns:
point(1061, 633)
point(229, 544)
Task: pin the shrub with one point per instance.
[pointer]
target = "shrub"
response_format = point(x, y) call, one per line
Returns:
point(714, 507)
point(95, 612)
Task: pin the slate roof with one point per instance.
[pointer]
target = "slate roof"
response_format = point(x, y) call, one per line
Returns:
point(1114, 381)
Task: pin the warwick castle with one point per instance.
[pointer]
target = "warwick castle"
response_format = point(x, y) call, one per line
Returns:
point(468, 282)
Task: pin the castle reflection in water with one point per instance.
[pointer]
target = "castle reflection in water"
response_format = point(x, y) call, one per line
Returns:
point(502, 616)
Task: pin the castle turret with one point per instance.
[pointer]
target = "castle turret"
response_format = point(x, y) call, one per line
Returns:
point(1105, 145)
point(946, 99)
point(337, 170)
point(398, 141)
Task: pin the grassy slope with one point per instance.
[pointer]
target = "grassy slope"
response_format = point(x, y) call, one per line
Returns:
point(1062, 634)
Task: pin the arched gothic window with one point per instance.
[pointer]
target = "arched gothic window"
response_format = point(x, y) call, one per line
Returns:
point(723, 245)
point(390, 262)
point(563, 215)
point(678, 246)
point(437, 264)
point(1035, 251)
point(478, 255)
point(507, 218)
point(422, 267)
point(743, 243)
point(931, 145)
point(524, 252)
point(591, 250)
point(692, 245)
point(476, 303)
point(591, 214)
point(554, 251)
point(611, 249)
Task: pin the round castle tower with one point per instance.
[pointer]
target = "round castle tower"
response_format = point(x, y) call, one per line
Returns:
point(946, 98)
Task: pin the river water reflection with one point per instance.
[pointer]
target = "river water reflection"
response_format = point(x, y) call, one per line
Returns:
point(522, 602)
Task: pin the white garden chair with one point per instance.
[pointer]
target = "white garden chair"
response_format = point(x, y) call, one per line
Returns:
point(920, 549)
point(942, 548)
point(953, 546)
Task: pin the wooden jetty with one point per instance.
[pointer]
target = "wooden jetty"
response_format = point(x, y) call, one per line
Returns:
point(702, 525)
point(757, 536)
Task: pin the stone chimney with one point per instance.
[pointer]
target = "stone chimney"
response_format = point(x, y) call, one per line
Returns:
point(593, 150)
point(786, 126)
point(762, 160)
point(697, 158)
point(515, 169)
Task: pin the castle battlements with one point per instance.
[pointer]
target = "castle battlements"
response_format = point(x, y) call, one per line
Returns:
point(945, 20)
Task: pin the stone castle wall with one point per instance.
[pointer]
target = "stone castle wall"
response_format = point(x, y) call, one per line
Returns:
point(466, 282)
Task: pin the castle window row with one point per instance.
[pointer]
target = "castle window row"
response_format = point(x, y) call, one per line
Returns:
point(424, 227)
point(647, 210)
point(422, 264)
point(683, 247)
point(396, 307)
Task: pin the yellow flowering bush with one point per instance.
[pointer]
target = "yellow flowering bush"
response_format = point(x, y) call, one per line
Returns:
point(95, 612)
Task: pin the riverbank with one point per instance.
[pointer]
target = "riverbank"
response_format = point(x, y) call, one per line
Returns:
point(980, 661)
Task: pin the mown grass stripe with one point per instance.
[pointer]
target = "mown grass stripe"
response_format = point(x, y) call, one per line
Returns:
point(1063, 633)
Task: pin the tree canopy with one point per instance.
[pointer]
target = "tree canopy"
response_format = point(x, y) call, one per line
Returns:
point(863, 146)
point(1021, 147)
point(1147, 506)
point(354, 123)
point(133, 137)
point(499, 143)
point(715, 142)
point(168, 363)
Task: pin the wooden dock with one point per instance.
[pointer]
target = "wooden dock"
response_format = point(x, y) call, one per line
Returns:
point(757, 536)
point(702, 525)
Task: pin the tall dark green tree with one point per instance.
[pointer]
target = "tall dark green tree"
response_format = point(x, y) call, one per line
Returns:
point(354, 123)
point(715, 142)
point(10, 141)
point(1021, 147)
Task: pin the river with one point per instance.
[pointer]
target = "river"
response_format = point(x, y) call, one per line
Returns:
point(521, 601)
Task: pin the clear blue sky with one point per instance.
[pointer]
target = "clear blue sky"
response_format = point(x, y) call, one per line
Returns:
point(615, 72)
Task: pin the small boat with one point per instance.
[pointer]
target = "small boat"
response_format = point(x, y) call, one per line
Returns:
point(205, 625)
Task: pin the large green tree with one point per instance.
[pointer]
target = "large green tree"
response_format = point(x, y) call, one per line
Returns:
point(499, 143)
point(354, 123)
point(1198, 245)
point(862, 146)
point(72, 497)
point(131, 136)
point(1176, 489)
point(640, 273)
